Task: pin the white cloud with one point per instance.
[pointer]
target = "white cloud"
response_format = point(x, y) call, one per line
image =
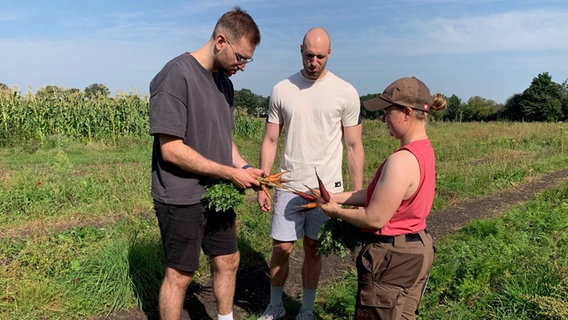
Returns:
point(446, 34)
point(509, 31)
point(490, 48)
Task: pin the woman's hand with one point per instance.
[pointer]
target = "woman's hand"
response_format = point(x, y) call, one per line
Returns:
point(330, 208)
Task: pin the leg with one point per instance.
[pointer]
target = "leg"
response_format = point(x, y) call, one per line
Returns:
point(392, 277)
point(287, 223)
point(311, 268)
point(279, 268)
point(220, 243)
point(279, 262)
point(412, 301)
point(287, 227)
point(224, 281)
point(181, 228)
point(172, 293)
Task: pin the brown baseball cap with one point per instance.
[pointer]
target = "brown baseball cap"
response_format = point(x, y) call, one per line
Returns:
point(408, 92)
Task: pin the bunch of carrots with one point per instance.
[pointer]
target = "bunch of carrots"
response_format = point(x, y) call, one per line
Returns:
point(313, 196)
point(336, 236)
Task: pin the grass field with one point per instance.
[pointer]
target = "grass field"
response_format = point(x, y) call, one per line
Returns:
point(78, 238)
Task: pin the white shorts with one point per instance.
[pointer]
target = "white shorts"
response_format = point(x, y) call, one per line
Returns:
point(291, 222)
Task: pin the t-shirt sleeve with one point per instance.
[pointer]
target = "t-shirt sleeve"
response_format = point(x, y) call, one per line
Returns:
point(168, 114)
point(274, 110)
point(352, 111)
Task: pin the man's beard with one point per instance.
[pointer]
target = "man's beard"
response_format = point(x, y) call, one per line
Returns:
point(227, 72)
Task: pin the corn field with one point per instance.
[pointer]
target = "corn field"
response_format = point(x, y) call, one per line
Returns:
point(36, 118)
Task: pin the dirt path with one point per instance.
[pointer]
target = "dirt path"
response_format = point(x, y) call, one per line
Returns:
point(443, 222)
point(252, 292)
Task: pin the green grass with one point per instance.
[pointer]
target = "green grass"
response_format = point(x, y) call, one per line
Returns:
point(79, 238)
point(79, 272)
point(59, 183)
point(511, 267)
point(514, 266)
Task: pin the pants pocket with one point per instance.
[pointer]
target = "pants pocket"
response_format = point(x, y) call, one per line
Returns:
point(379, 295)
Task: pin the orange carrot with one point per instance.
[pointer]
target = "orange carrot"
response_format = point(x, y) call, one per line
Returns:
point(276, 175)
point(274, 180)
point(310, 205)
point(265, 189)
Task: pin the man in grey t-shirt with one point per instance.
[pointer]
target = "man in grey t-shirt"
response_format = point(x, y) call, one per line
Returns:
point(191, 105)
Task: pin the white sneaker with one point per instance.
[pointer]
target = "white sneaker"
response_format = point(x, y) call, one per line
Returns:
point(306, 316)
point(273, 312)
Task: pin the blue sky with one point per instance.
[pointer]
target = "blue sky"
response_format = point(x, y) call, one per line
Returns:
point(486, 48)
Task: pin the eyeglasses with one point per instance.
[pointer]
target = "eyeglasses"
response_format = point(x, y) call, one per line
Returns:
point(240, 58)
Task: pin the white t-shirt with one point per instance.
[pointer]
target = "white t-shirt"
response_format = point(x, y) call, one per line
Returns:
point(313, 114)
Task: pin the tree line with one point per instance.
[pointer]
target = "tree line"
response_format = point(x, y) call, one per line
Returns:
point(543, 100)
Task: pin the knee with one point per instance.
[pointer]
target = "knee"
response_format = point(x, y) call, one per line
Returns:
point(311, 247)
point(228, 263)
point(282, 249)
point(177, 278)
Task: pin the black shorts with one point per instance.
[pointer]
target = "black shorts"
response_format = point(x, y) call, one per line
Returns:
point(186, 229)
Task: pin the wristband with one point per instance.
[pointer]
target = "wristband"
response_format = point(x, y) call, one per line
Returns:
point(246, 166)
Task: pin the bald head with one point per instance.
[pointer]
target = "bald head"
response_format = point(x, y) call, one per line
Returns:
point(317, 36)
point(315, 51)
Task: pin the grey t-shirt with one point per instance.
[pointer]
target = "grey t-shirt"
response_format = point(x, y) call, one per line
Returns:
point(192, 103)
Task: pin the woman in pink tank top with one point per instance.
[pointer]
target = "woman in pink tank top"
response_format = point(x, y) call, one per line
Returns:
point(395, 261)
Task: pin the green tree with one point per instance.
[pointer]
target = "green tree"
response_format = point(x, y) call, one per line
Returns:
point(454, 109)
point(480, 109)
point(365, 114)
point(96, 90)
point(564, 100)
point(4, 89)
point(541, 101)
point(512, 110)
point(72, 91)
point(50, 92)
point(252, 103)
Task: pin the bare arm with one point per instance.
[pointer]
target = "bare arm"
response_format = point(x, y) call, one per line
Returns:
point(176, 152)
point(355, 154)
point(267, 155)
point(351, 198)
point(238, 160)
point(269, 145)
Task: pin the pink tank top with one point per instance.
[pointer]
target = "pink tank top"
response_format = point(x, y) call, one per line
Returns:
point(410, 217)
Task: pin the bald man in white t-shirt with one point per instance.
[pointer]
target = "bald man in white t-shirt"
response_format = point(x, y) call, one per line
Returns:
point(316, 112)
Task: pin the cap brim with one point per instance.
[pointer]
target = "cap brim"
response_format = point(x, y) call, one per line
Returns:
point(377, 103)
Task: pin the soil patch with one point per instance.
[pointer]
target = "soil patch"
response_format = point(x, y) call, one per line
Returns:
point(253, 289)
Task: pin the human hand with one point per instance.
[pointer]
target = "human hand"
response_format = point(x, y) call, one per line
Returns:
point(264, 201)
point(330, 208)
point(257, 174)
point(246, 178)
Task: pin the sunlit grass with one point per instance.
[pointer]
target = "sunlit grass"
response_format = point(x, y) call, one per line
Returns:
point(80, 272)
point(60, 183)
point(75, 215)
point(506, 267)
